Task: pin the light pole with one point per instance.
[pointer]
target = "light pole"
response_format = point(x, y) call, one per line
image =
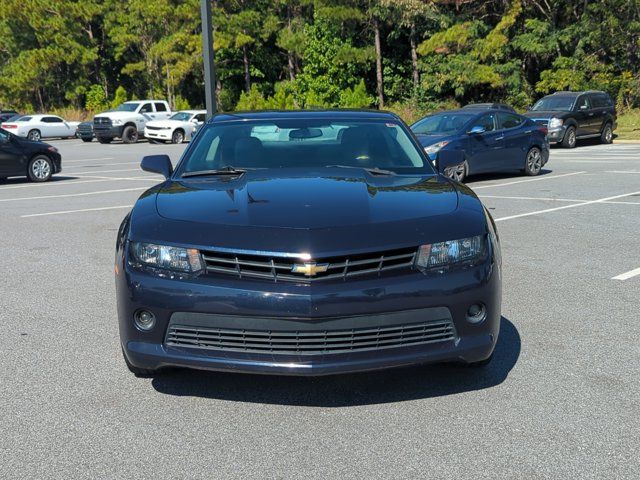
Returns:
point(207, 57)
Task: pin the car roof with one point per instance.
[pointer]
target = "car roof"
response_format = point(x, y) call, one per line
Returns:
point(567, 93)
point(191, 111)
point(489, 106)
point(140, 101)
point(332, 114)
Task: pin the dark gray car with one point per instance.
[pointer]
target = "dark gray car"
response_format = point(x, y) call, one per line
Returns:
point(572, 116)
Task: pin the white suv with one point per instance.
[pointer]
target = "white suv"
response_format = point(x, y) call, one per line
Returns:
point(128, 120)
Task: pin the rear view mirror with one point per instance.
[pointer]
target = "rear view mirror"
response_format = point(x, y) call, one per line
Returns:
point(448, 158)
point(477, 130)
point(303, 133)
point(157, 164)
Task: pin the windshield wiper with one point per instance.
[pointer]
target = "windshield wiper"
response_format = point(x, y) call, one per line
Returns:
point(372, 171)
point(215, 172)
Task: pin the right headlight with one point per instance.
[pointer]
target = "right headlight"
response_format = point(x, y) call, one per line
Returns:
point(159, 258)
point(555, 122)
point(464, 252)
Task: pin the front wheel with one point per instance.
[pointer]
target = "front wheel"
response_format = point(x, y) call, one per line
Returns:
point(177, 137)
point(34, 135)
point(533, 163)
point(607, 134)
point(569, 140)
point(40, 169)
point(130, 135)
point(457, 172)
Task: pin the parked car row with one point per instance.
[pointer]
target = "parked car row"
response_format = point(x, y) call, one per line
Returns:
point(494, 138)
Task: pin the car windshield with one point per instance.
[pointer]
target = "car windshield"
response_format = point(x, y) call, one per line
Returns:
point(442, 123)
point(181, 116)
point(303, 143)
point(552, 102)
point(127, 107)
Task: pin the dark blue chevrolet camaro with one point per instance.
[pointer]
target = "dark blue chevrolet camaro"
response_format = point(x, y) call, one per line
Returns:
point(492, 140)
point(306, 243)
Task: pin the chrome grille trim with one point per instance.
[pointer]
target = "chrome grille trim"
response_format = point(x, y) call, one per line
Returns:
point(280, 268)
point(310, 342)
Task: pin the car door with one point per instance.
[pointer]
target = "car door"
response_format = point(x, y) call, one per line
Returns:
point(583, 116)
point(483, 149)
point(147, 111)
point(517, 139)
point(10, 156)
point(162, 111)
point(52, 127)
point(599, 109)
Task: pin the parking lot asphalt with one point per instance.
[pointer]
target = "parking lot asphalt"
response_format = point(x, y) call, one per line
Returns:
point(561, 398)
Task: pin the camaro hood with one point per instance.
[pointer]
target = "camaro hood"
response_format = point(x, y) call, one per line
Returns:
point(326, 212)
point(305, 202)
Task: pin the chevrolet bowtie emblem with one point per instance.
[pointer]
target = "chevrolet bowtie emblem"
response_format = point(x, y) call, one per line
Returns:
point(310, 269)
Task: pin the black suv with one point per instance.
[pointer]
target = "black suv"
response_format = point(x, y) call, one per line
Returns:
point(571, 116)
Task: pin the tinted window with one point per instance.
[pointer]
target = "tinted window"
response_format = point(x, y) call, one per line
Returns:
point(52, 119)
point(300, 143)
point(600, 100)
point(583, 103)
point(23, 119)
point(441, 123)
point(160, 107)
point(181, 116)
point(127, 107)
point(146, 108)
point(488, 122)
point(510, 120)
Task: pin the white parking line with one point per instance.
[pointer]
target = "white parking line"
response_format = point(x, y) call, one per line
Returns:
point(620, 171)
point(627, 275)
point(87, 160)
point(537, 179)
point(564, 207)
point(66, 195)
point(109, 171)
point(74, 211)
point(546, 199)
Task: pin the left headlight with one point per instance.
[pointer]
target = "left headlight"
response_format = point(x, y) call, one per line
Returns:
point(555, 122)
point(464, 252)
point(176, 259)
point(436, 147)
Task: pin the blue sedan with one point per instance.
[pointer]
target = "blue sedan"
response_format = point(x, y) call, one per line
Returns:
point(492, 140)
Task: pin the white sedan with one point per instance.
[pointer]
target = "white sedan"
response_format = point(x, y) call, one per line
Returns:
point(177, 128)
point(35, 127)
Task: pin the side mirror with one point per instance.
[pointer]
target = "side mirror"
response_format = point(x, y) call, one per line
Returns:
point(448, 158)
point(157, 164)
point(477, 130)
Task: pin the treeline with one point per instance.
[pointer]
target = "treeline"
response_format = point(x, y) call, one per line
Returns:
point(403, 54)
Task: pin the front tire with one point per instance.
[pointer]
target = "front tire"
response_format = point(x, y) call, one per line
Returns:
point(40, 169)
point(34, 135)
point(458, 172)
point(533, 162)
point(130, 134)
point(606, 136)
point(177, 137)
point(569, 140)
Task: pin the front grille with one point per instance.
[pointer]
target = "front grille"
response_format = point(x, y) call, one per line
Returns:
point(102, 121)
point(310, 342)
point(85, 128)
point(154, 128)
point(282, 268)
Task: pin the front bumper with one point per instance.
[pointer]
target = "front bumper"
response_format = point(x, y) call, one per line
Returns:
point(556, 135)
point(107, 132)
point(158, 134)
point(223, 303)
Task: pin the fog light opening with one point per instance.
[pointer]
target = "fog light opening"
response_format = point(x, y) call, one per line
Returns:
point(476, 313)
point(144, 320)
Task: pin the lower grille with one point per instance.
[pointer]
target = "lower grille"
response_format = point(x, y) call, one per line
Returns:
point(310, 342)
point(296, 270)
